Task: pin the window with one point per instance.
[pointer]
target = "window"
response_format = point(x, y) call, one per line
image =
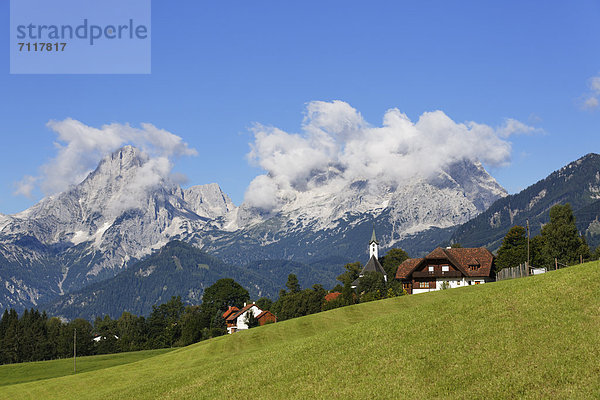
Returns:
point(423, 285)
point(431, 268)
point(445, 268)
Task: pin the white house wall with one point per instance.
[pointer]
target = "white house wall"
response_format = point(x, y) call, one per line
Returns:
point(241, 320)
point(453, 283)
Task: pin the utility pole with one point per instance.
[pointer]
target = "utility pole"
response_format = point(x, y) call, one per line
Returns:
point(74, 350)
point(528, 243)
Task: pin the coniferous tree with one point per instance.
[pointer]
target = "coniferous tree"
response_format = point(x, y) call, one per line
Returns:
point(54, 327)
point(132, 332)
point(11, 340)
point(292, 283)
point(561, 240)
point(191, 325)
point(513, 250)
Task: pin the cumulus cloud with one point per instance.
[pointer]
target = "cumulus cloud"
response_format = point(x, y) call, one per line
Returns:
point(80, 147)
point(337, 146)
point(591, 100)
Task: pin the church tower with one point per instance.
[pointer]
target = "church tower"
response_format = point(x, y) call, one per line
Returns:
point(373, 246)
point(373, 264)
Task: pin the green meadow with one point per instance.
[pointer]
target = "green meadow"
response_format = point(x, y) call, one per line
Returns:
point(536, 337)
point(40, 370)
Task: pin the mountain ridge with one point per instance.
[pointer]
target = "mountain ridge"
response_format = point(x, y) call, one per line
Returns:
point(577, 183)
point(129, 207)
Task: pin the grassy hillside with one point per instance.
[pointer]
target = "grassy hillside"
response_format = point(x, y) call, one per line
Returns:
point(40, 370)
point(536, 337)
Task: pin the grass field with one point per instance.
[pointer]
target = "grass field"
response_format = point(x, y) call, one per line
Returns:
point(40, 370)
point(536, 337)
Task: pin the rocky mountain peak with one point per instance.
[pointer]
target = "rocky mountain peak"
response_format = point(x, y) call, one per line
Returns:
point(121, 163)
point(208, 201)
point(128, 207)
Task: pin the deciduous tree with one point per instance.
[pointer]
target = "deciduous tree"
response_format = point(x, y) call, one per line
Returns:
point(392, 260)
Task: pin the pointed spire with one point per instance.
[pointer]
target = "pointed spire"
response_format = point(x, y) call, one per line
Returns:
point(373, 245)
point(373, 238)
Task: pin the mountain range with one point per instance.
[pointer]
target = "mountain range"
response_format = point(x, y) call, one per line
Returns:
point(578, 184)
point(126, 210)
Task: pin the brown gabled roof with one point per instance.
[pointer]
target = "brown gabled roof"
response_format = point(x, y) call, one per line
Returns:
point(461, 258)
point(229, 311)
point(264, 313)
point(480, 256)
point(437, 254)
point(240, 312)
point(407, 267)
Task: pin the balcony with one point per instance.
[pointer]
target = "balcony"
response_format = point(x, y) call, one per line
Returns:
point(437, 274)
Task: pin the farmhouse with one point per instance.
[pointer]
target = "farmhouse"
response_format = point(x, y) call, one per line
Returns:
point(236, 319)
point(373, 264)
point(446, 268)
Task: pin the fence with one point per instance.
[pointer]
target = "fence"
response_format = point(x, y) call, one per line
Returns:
point(523, 270)
point(511, 273)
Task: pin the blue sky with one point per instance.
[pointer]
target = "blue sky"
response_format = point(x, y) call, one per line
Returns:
point(220, 67)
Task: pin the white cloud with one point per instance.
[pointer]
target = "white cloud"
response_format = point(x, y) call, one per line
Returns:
point(80, 148)
point(152, 173)
point(337, 146)
point(592, 98)
point(590, 103)
point(595, 84)
point(26, 186)
point(512, 126)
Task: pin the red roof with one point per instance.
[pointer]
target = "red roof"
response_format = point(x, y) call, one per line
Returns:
point(407, 267)
point(240, 312)
point(332, 296)
point(438, 253)
point(461, 258)
point(229, 311)
point(466, 257)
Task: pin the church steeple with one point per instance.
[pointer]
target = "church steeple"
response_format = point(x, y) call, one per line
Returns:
point(373, 245)
point(373, 264)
